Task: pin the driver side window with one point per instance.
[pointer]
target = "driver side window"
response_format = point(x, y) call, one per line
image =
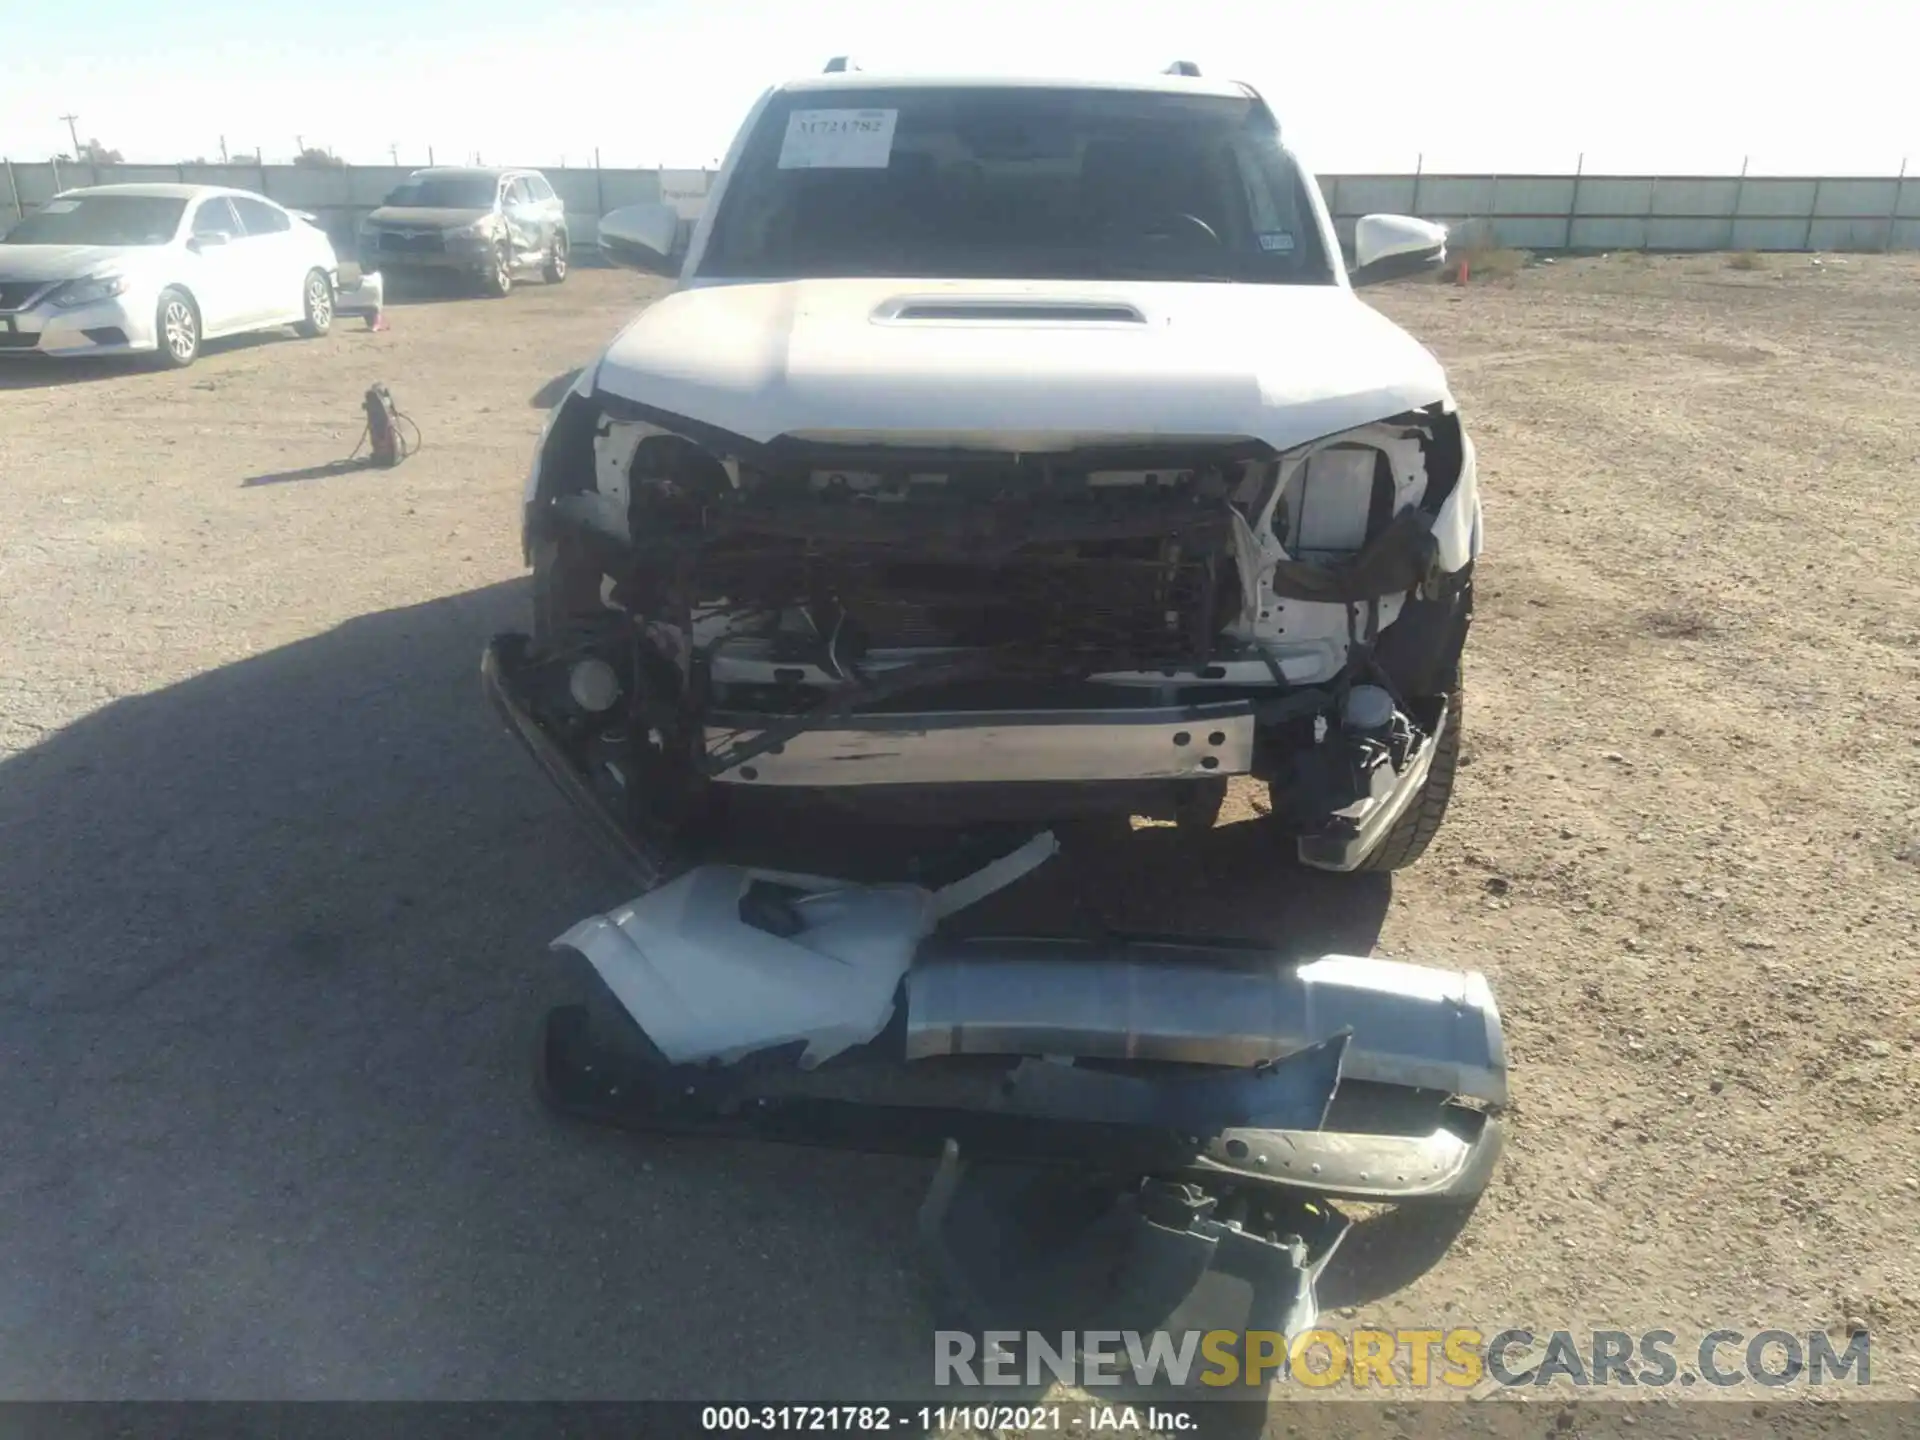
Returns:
point(215, 217)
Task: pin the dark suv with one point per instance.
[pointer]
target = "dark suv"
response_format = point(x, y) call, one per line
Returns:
point(491, 225)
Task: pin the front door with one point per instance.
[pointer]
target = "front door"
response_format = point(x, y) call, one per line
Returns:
point(274, 277)
point(523, 220)
point(218, 271)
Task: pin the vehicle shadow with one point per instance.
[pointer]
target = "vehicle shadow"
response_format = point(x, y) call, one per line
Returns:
point(429, 288)
point(41, 372)
point(271, 966)
point(402, 290)
point(35, 372)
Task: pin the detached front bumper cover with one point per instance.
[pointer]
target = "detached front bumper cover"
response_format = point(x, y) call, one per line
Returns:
point(1056, 1204)
point(1101, 1154)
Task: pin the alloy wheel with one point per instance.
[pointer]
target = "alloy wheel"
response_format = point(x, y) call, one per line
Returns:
point(181, 332)
point(319, 301)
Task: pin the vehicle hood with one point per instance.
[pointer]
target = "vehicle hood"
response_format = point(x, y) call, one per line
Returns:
point(69, 262)
point(846, 361)
point(427, 217)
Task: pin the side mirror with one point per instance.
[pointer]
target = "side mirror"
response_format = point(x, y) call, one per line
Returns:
point(212, 240)
point(642, 237)
point(1391, 247)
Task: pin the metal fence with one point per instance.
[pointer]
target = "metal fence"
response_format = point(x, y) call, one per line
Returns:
point(1534, 212)
point(1649, 212)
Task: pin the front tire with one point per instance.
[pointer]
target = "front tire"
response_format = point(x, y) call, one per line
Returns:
point(1414, 831)
point(317, 305)
point(557, 258)
point(497, 279)
point(176, 326)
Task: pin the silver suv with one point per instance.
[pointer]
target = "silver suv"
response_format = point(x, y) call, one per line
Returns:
point(490, 225)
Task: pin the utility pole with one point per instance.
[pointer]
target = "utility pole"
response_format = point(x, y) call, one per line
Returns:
point(299, 145)
point(394, 150)
point(74, 131)
point(223, 149)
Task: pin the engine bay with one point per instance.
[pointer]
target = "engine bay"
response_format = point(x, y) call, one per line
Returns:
point(1118, 560)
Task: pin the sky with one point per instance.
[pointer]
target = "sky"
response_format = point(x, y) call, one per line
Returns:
point(1508, 86)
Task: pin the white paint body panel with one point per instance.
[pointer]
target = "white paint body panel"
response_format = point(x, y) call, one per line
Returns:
point(1294, 366)
point(1285, 364)
point(704, 985)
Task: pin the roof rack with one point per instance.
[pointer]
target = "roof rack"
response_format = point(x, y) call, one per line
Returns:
point(839, 65)
point(1183, 67)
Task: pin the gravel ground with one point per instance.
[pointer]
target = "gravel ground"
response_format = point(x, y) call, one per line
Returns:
point(274, 887)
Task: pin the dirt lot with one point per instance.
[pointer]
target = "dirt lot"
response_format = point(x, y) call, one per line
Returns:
point(273, 888)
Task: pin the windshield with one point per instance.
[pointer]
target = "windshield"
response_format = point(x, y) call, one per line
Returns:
point(100, 220)
point(447, 192)
point(1027, 184)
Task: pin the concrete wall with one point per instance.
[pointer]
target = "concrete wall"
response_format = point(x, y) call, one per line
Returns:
point(1534, 212)
point(1644, 212)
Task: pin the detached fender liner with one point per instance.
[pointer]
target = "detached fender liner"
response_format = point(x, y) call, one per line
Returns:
point(1421, 650)
point(1402, 556)
point(649, 865)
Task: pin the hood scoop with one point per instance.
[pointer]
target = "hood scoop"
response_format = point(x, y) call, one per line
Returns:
point(949, 310)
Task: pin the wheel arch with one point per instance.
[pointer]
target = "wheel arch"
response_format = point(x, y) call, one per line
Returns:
point(185, 289)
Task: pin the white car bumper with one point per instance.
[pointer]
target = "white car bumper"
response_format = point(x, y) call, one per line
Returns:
point(106, 327)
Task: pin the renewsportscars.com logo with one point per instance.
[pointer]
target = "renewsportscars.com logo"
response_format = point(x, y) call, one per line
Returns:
point(1458, 1358)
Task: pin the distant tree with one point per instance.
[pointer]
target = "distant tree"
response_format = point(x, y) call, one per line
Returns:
point(315, 158)
point(94, 153)
point(197, 160)
point(253, 159)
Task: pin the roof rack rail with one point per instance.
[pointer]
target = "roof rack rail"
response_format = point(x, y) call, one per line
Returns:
point(1182, 67)
point(839, 65)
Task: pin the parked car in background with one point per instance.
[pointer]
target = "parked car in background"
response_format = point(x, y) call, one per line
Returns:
point(138, 269)
point(491, 225)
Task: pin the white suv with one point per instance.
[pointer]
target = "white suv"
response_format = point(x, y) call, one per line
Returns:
point(1009, 450)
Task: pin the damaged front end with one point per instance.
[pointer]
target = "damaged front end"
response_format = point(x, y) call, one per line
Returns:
point(983, 633)
point(1119, 1125)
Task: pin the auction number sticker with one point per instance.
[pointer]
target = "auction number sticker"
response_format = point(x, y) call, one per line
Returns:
point(838, 140)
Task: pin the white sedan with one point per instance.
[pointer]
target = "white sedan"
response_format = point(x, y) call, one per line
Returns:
point(137, 269)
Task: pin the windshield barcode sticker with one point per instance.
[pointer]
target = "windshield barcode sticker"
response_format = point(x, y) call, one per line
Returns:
point(1278, 240)
point(838, 140)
